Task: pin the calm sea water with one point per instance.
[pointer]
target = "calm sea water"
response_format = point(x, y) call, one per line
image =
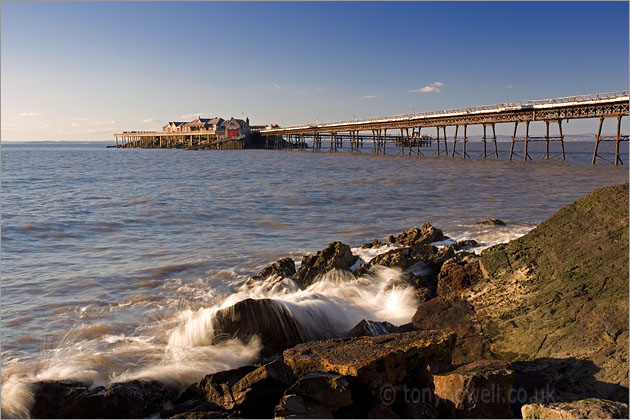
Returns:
point(114, 260)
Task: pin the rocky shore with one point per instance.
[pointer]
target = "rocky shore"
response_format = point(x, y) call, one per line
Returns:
point(534, 328)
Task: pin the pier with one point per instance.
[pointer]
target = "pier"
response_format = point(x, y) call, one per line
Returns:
point(411, 133)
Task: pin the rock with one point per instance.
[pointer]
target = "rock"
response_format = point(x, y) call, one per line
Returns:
point(591, 408)
point(373, 360)
point(560, 292)
point(258, 392)
point(282, 268)
point(458, 274)
point(68, 399)
point(374, 244)
point(336, 255)
point(214, 389)
point(376, 365)
point(248, 391)
point(480, 389)
point(371, 329)
point(492, 222)
point(423, 236)
point(316, 395)
point(194, 409)
point(391, 239)
point(465, 244)
point(458, 316)
point(268, 319)
point(400, 258)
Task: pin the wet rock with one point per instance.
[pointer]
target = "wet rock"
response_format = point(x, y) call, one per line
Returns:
point(371, 329)
point(281, 268)
point(444, 254)
point(465, 244)
point(249, 391)
point(52, 398)
point(316, 395)
point(391, 239)
point(336, 255)
point(374, 244)
point(373, 360)
point(480, 389)
point(591, 408)
point(213, 389)
point(458, 316)
point(424, 235)
point(68, 399)
point(194, 409)
point(258, 392)
point(400, 258)
point(458, 274)
point(492, 222)
point(268, 319)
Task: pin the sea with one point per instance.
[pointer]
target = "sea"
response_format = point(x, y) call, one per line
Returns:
point(114, 261)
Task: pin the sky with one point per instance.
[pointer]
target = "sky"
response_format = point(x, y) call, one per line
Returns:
point(85, 70)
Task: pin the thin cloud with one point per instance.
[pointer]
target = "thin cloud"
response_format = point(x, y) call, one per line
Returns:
point(149, 120)
point(30, 114)
point(8, 126)
point(369, 96)
point(433, 87)
point(97, 122)
point(74, 125)
point(277, 86)
point(509, 86)
point(196, 114)
point(79, 119)
point(44, 126)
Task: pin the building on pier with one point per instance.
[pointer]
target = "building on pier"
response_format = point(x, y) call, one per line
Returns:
point(237, 128)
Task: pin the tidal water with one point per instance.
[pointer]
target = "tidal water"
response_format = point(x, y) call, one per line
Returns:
point(115, 260)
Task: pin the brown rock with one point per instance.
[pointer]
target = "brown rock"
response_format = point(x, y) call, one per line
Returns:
point(282, 268)
point(69, 399)
point(371, 329)
point(268, 319)
point(248, 391)
point(458, 274)
point(458, 316)
point(480, 389)
point(336, 255)
point(315, 395)
point(591, 408)
point(374, 361)
point(492, 222)
point(425, 235)
point(465, 244)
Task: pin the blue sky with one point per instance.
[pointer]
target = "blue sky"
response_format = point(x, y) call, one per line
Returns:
point(84, 70)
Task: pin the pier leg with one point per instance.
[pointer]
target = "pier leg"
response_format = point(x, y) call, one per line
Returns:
point(438, 140)
point(561, 138)
point(465, 141)
point(513, 140)
point(484, 141)
point(494, 139)
point(455, 141)
point(384, 139)
point(445, 142)
point(617, 140)
point(599, 134)
point(547, 141)
point(525, 155)
point(418, 140)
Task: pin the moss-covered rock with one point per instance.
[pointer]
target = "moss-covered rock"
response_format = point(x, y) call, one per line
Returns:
point(561, 292)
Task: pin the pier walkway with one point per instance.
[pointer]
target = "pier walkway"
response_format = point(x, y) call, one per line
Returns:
point(409, 133)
